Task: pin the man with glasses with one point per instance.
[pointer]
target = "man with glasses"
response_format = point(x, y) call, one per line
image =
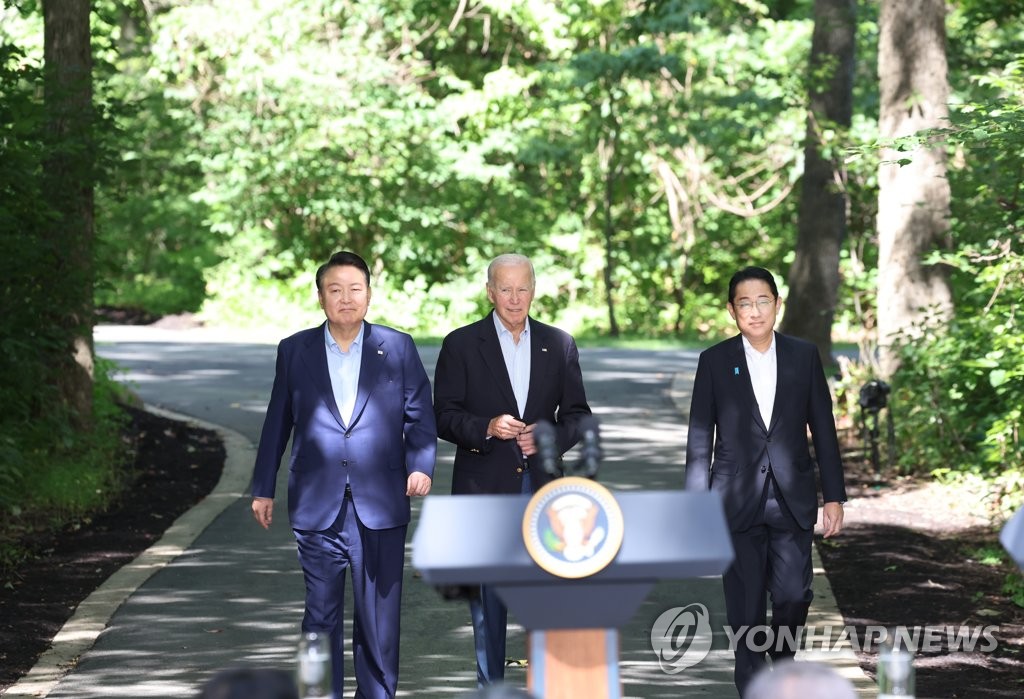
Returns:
point(754, 397)
point(495, 379)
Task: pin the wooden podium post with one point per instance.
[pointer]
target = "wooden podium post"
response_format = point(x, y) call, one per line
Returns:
point(573, 663)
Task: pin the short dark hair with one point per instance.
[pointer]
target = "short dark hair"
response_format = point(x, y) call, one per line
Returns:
point(748, 273)
point(342, 259)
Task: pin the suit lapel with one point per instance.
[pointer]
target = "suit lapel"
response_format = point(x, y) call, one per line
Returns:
point(540, 356)
point(490, 351)
point(314, 356)
point(373, 356)
point(784, 372)
point(747, 390)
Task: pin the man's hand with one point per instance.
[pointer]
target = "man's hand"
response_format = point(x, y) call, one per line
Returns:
point(525, 441)
point(505, 427)
point(832, 518)
point(263, 511)
point(418, 484)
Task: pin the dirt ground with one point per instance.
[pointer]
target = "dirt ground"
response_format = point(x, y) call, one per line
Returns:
point(916, 554)
point(174, 467)
point(911, 555)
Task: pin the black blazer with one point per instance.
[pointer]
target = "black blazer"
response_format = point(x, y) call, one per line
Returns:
point(471, 386)
point(729, 448)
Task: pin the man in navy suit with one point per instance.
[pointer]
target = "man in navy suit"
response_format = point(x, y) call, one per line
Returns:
point(355, 400)
point(495, 379)
point(754, 397)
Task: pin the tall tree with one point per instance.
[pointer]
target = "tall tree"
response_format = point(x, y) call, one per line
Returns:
point(68, 174)
point(814, 276)
point(914, 195)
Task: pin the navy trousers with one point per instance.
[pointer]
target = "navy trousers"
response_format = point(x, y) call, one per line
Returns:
point(490, 624)
point(375, 558)
point(773, 556)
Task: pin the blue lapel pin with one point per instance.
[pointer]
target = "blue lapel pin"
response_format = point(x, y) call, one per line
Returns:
point(735, 371)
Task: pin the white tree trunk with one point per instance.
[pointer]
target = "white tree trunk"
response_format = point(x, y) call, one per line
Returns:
point(913, 200)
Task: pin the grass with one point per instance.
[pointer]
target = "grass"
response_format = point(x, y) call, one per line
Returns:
point(64, 475)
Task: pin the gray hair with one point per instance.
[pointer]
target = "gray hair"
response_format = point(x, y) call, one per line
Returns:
point(792, 680)
point(510, 259)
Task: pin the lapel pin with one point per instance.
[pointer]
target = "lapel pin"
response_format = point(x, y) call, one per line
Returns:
point(380, 351)
point(735, 371)
point(543, 349)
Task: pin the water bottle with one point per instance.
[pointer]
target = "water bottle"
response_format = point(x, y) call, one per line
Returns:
point(314, 666)
point(895, 671)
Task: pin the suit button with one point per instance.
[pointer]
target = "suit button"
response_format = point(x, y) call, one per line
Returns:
point(345, 463)
point(348, 435)
point(519, 469)
point(764, 469)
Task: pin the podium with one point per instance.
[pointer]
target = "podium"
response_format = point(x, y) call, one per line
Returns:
point(1012, 538)
point(572, 621)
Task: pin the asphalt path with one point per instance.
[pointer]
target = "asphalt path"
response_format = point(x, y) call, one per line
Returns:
point(221, 592)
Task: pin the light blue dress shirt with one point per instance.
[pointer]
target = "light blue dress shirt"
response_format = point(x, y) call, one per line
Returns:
point(344, 370)
point(517, 360)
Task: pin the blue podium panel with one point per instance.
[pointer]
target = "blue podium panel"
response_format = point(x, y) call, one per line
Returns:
point(574, 604)
point(669, 534)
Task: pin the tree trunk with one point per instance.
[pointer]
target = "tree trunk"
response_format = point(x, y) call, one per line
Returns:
point(609, 259)
point(814, 277)
point(607, 150)
point(68, 174)
point(913, 199)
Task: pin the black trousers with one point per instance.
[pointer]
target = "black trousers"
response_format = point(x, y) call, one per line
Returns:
point(773, 557)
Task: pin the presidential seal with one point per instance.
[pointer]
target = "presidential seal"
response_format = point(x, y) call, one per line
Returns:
point(573, 527)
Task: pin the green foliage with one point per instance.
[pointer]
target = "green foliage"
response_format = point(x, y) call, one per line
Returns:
point(963, 389)
point(638, 152)
point(993, 555)
point(60, 474)
point(1013, 587)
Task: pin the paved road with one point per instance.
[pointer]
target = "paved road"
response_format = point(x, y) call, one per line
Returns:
point(220, 592)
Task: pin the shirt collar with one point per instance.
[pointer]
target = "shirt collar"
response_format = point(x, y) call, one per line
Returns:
point(503, 331)
point(749, 348)
point(332, 344)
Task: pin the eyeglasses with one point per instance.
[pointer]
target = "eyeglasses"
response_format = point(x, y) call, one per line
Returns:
point(748, 306)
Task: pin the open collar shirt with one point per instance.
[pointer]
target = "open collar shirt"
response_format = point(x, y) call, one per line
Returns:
point(344, 370)
point(517, 360)
point(763, 368)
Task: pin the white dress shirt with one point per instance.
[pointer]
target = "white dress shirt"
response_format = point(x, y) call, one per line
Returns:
point(763, 369)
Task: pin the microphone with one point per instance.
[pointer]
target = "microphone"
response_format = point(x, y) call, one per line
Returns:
point(590, 451)
point(545, 440)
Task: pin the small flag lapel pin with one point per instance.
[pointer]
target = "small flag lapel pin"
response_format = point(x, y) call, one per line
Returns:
point(735, 371)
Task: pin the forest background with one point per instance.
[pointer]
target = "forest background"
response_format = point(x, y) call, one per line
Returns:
point(187, 156)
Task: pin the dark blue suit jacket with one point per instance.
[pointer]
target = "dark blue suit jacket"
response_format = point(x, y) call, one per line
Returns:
point(391, 434)
point(729, 447)
point(471, 386)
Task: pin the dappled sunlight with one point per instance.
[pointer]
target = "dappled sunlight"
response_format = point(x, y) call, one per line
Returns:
point(235, 598)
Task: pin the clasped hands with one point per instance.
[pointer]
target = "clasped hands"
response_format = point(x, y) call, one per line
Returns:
point(508, 427)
